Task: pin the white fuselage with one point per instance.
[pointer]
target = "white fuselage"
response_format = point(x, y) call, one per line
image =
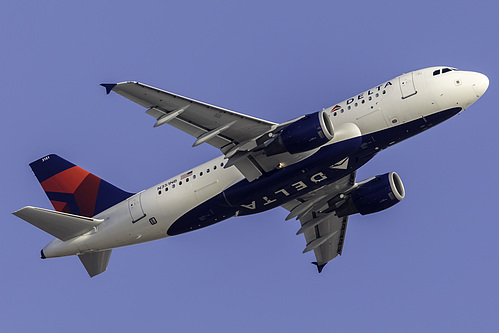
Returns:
point(148, 215)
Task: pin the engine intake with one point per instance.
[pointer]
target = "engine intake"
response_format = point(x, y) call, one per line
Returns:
point(307, 133)
point(381, 193)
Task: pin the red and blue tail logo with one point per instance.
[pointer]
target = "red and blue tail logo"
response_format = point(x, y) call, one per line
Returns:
point(74, 190)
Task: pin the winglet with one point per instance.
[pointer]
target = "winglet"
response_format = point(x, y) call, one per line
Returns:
point(109, 87)
point(319, 267)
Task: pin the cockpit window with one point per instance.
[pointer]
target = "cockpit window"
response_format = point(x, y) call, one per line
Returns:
point(443, 70)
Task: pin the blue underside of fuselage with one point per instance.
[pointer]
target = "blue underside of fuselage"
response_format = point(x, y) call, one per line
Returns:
point(283, 185)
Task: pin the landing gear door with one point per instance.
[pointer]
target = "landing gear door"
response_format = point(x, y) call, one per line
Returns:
point(407, 87)
point(135, 207)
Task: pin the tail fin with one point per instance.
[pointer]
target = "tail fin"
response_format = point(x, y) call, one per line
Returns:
point(74, 190)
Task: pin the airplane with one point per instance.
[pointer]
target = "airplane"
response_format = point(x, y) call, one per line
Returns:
point(306, 165)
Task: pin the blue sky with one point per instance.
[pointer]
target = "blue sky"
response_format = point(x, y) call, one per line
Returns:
point(427, 264)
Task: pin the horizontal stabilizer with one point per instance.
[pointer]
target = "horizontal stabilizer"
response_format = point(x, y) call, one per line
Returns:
point(61, 225)
point(95, 262)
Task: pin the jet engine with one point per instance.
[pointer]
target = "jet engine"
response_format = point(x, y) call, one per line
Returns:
point(307, 133)
point(376, 195)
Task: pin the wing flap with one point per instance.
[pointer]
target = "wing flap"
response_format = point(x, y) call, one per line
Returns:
point(324, 231)
point(334, 245)
point(317, 242)
point(61, 225)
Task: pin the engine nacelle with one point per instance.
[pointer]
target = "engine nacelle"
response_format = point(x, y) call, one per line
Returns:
point(307, 133)
point(376, 195)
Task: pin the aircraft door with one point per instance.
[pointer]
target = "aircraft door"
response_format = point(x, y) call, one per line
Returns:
point(135, 208)
point(407, 87)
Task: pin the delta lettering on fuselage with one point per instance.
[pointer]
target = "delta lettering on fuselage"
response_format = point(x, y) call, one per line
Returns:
point(286, 192)
point(277, 197)
point(369, 93)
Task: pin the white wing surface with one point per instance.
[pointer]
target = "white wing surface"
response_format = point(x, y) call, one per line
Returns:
point(238, 136)
point(194, 117)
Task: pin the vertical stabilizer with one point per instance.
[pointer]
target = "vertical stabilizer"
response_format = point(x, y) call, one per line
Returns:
point(74, 190)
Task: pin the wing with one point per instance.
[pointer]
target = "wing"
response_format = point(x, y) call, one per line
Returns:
point(237, 135)
point(194, 117)
point(324, 231)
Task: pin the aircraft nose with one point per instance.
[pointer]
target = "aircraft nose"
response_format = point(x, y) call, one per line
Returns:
point(480, 84)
